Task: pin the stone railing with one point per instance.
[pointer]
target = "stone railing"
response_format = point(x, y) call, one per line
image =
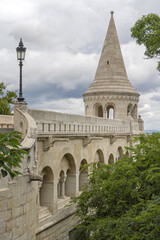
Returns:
point(61, 123)
point(6, 121)
point(81, 128)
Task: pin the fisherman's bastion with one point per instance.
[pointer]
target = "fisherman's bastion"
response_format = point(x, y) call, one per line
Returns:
point(33, 206)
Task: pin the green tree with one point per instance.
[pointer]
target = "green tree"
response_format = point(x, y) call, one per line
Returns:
point(10, 153)
point(7, 98)
point(122, 200)
point(147, 31)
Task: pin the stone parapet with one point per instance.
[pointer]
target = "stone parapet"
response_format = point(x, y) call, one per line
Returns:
point(54, 122)
point(6, 121)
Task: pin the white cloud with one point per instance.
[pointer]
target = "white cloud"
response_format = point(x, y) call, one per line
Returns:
point(63, 41)
point(149, 109)
point(140, 70)
point(69, 105)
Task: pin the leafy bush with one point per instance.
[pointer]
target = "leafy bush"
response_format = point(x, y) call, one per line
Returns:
point(10, 153)
point(122, 200)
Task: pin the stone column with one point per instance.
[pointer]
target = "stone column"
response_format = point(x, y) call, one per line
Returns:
point(104, 113)
point(62, 187)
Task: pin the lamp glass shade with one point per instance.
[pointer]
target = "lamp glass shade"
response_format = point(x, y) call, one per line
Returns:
point(21, 53)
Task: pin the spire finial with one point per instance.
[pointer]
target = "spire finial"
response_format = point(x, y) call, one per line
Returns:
point(112, 12)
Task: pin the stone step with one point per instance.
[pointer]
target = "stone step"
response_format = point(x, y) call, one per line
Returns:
point(63, 202)
point(44, 212)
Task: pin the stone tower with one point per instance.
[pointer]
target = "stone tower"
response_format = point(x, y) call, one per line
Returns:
point(111, 94)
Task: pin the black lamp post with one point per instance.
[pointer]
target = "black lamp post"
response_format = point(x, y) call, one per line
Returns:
point(21, 50)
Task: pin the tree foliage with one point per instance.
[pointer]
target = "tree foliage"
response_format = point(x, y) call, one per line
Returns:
point(122, 200)
point(6, 99)
point(147, 31)
point(10, 153)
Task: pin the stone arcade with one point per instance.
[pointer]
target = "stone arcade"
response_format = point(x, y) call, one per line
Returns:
point(32, 207)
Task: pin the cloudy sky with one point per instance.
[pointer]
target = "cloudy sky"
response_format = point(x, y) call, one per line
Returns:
point(64, 40)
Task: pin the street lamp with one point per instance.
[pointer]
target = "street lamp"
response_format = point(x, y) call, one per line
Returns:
point(21, 50)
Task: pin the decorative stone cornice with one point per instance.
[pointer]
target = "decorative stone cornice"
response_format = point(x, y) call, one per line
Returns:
point(110, 98)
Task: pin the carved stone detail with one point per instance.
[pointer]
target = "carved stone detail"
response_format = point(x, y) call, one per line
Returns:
point(113, 138)
point(49, 141)
point(113, 97)
point(87, 140)
point(33, 133)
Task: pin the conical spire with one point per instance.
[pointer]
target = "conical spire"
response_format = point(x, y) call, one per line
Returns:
point(111, 76)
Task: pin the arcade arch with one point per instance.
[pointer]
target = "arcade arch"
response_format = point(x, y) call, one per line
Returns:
point(47, 188)
point(127, 153)
point(99, 156)
point(83, 175)
point(120, 152)
point(111, 159)
point(67, 177)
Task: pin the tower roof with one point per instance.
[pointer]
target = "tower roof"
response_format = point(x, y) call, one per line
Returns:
point(111, 76)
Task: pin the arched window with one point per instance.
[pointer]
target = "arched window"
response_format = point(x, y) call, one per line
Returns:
point(129, 109)
point(134, 112)
point(83, 177)
point(111, 159)
point(110, 111)
point(98, 110)
point(47, 187)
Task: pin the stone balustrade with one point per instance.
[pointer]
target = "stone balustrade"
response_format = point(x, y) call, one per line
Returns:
point(70, 128)
point(58, 123)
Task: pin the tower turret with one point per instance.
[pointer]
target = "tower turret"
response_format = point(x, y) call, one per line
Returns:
point(111, 94)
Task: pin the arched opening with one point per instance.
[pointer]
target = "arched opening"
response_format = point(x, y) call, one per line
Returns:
point(129, 109)
point(111, 159)
point(120, 152)
point(61, 187)
point(99, 156)
point(134, 112)
point(127, 153)
point(83, 175)
point(46, 189)
point(68, 178)
point(21, 126)
point(110, 111)
point(98, 110)
point(86, 110)
point(69, 183)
